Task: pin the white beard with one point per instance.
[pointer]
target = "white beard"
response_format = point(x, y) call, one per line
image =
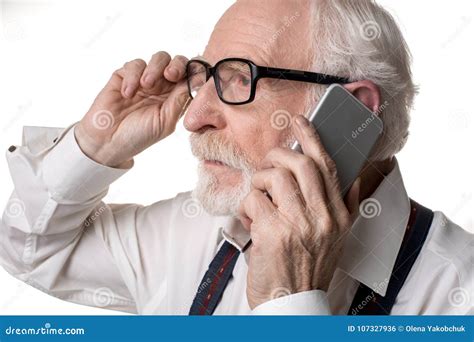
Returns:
point(217, 201)
point(222, 199)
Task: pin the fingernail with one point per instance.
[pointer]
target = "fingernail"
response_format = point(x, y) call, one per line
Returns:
point(149, 81)
point(128, 91)
point(173, 72)
point(302, 121)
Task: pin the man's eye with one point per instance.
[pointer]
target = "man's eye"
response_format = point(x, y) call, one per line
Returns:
point(244, 80)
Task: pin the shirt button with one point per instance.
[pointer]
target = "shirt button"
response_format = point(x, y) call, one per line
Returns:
point(11, 148)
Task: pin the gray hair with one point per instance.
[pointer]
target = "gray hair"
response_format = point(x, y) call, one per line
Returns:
point(361, 40)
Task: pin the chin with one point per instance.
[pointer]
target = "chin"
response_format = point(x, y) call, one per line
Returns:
point(221, 191)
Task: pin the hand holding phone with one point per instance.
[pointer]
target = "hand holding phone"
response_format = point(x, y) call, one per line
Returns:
point(348, 131)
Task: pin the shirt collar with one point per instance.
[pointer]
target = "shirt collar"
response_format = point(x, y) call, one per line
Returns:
point(235, 233)
point(372, 245)
point(374, 240)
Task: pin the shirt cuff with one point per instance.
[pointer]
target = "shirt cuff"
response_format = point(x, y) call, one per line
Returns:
point(70, 175)
point(302, 303)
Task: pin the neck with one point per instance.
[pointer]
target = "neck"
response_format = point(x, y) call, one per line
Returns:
point(372, 175)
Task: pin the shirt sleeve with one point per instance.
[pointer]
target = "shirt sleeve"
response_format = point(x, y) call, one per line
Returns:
point(313, 302)
point(52, 233)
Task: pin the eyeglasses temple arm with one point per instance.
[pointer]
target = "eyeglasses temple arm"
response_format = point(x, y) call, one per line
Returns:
point(298, 75)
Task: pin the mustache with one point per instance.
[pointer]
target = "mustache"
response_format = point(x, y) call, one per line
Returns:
point(210, 145)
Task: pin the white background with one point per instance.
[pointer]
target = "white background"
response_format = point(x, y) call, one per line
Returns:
point(55, 56)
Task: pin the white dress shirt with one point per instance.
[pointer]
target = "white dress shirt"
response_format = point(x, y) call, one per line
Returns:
point(58, 236)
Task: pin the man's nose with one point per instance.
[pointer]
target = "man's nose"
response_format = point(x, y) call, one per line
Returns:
point(205, 110)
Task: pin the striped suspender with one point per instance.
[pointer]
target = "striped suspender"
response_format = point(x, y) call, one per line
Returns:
point(215, 281)
point(365, 302)
point(368, 302)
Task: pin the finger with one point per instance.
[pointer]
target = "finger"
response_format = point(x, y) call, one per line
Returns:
point(352, 198)
point(154, 69)
point(246, 222)
point(256, 207)
point(174, 108)
point(280, 184)
point(176, 69)
point(132, 71)
point(179, 99)
point(306, 174)
point(312, 146)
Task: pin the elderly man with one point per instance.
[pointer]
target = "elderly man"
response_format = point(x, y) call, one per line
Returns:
point(275, 235)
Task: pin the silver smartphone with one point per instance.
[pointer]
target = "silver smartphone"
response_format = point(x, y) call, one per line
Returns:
point(348, 131)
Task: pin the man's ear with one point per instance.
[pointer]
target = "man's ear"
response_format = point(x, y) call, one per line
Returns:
point(367, 92)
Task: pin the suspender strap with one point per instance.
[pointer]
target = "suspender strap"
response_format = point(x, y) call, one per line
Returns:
point(215, 280)
point(368, 302)
point(365, 302)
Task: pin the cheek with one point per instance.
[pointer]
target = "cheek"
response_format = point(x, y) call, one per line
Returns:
point(266, 123)
point(256, 142)
point(275, 122)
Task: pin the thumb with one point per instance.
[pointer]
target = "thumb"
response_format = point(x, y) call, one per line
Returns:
point(172, 109)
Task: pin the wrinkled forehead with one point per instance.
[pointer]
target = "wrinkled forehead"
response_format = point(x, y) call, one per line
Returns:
point(269, 32)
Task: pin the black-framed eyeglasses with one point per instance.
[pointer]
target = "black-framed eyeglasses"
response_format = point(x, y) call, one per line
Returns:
point(236, 79)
